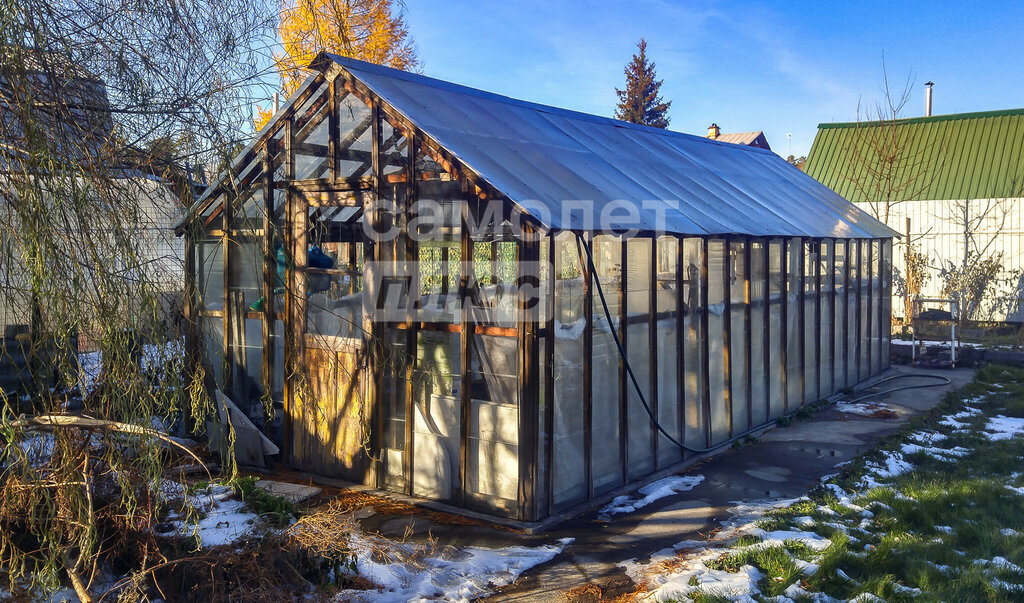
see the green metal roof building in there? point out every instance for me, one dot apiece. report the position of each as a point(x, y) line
point(959, 179)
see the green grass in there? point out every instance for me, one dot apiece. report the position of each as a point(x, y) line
point(897, 545)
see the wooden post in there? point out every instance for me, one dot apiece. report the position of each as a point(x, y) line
point(412, 304)
point(333, 129)
point(465, 349)
point(834, 323)
point(376, 335)
point(870, 303)
point(269, 280)
point(859, 265)
point(529, 368)
point(847, 252)
point(227, 315)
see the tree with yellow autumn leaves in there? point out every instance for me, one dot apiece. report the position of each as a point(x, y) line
point(369, 30)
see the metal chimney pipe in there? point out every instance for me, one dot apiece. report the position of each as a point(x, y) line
point(928, 99)
point(277, 102)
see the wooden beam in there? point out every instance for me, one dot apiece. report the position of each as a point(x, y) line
point(802, 319)
point(870, 303)
point(859, 266)
point(847, 292)
point(817, 321)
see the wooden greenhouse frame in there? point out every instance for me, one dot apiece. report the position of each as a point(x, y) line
point(512, 383)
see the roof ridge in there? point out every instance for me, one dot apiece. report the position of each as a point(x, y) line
point(359, 65)
point(923, 119)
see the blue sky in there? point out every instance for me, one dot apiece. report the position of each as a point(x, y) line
point(781, 67)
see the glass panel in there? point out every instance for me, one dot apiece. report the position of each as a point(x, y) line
point(213, 346)
point(886, 301)
point(777, 370)
point(568, 472)
point(606, 454)
point(810, 324)
point(334, 277)
point(210, 277)
point(758, 375)
point(667, 295)
point(852, 302)
point(393, 151)
point(716, 328)
point(639, 289)
point(865, 316)
point(738, 343)
point(840, 306)
point(693, 351)
point(825, 329)
point(356, 137)
point(311, 136)
point(437, 415)
point(794, 332)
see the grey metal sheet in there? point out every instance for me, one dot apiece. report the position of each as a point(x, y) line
point(542, 156)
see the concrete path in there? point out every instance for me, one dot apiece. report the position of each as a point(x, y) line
point(785, 462)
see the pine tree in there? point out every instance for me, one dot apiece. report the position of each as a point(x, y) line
point(640, 102)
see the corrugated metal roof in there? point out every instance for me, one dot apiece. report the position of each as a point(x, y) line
point(959, 156)
point(541, 156)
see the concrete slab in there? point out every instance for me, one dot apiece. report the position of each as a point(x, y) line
point(798, 456)
point(295, 493)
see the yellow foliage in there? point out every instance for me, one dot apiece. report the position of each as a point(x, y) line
point(262, 117)
point(368, 30)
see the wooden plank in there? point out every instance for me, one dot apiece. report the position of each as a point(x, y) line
point(705, 343)
point(817, 321)
point(292, 416)
point(832, 301)
point(847, 292)
point(652, 340)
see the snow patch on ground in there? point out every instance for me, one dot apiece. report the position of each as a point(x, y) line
point(1004, 428)
point(224, 519)
point(409, 572)
point(650, 493)
point(865, 409)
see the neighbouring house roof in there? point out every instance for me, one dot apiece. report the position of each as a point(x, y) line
point(540, 157)
point(944, 157)
point(751, 139)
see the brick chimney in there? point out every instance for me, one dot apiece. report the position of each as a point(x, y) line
point(714, 131)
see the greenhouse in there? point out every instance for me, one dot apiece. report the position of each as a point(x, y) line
point(516, 309)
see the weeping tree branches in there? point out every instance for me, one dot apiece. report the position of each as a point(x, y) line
point(99, 101)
